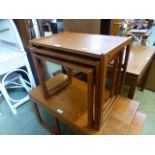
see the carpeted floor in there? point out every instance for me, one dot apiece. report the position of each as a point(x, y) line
point(25, 122)
point(147, 106)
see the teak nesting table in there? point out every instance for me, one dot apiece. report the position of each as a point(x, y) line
point(90, 54)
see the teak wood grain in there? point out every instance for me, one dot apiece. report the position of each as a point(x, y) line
point(138, 59)
point(92, 45)
point(137, 124)
point(72, 101)
point(139, 63)
point(65, 82)
point(96, 51)
point(76, 59)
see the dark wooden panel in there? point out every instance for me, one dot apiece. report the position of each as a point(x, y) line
point(105, 26)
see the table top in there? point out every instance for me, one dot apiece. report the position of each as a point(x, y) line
point(83, 43)
point(138, 59)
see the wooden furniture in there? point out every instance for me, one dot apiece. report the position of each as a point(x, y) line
point(150, 84)
point(139, 64)
point(140, 60)
point(123, 118)
point(91, 54)
point(89, 71)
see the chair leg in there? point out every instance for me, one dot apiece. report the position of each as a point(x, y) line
point(24, 84)
point(5, 94)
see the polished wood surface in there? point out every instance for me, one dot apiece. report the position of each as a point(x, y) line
point(72, 102)
point(139, 65)
point(76, 59)
point(97, 49)
point(137, 124)
point(90, 80)
point(83, 43)
point(120, 118)
point(138, 59)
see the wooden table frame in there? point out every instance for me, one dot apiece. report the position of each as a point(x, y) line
point(119, 76)
point(88, 62)
point(135, 72)
point(132, 80)
point(109, 104)
point(99, 63)
point(90, 79)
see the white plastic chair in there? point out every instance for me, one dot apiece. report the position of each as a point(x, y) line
point(13, 80)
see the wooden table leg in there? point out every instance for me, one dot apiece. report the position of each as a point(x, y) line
point(125, 66)
point(41, 74)
point(145, 76)
point(144, 40)
point(97, 90)
point(102, 82)
point(58, 126)
point(103, 75)
point(90, 94)
point(132, 88)
point(56, 130)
